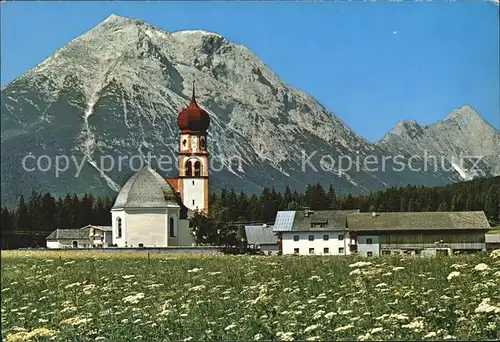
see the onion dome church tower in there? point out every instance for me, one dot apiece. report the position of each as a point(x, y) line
point(192, 183)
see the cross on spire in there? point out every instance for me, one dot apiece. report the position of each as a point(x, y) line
point(193, 98)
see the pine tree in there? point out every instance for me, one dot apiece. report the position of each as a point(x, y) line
point(492, 205)
point(22, 218)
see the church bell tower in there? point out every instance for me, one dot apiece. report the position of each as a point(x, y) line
point(193, 123)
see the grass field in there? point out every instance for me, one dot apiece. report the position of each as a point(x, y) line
point(126, 297)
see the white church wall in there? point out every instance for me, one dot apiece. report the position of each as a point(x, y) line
point(144, 226)
point(193, 193)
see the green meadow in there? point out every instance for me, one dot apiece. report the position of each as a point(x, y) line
point(53, 296)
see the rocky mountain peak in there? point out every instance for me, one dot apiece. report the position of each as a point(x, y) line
point(465, 112)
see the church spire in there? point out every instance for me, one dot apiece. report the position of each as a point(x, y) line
point(193, 97)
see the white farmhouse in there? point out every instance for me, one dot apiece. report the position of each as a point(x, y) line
point(85, 237)
point(307, 232)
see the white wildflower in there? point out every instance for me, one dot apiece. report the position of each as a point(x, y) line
point(417, 324)
point(361, 264)
point(318, 314)
point(258, 337)
point(197, 288)
point(230, 327)
point(495, 254)
point(430, 335)
point(342, 328)
point(486, 307)
point(75, 321)
point(365, 337)
point(282, 336)
point(345, 312)
point(354, 272)
point(311, 328)
point(453, 275)
point(195, 270)
point(134, 299)
point(330, 315)
point(481, 267)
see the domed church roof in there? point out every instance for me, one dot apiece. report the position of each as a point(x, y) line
point(147, 189)
point(193, 118)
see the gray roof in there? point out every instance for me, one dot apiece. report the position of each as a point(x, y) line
point(418, 221)
point(284, 221)
point(332, 219)
point(146, 189)
point(287, 221)
point(103, 228)
point(260, 235)
point(59, 234)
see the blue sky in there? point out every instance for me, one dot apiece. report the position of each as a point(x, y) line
point(372, 64)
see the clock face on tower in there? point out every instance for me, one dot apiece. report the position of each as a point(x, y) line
point(194, 145)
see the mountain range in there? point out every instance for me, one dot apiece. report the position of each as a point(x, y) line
point(113, 94)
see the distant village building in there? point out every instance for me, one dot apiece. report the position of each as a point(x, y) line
point(87, 237)
point(418, 232)
point(263, 238)
point(338, 232)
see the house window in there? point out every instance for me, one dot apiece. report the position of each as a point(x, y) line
point(341, 237)
point(118, 227)
point(341, 250)
point(369, 241)
point(386, 252)
point(75, 244)
point(193, 182)
point(193, 202)
point(326, 237)
point(171, 227)
point(369, 254)
point(295, 251)
point(295, 238)
point(311, 237)
point(326, 250)
point(311, 250)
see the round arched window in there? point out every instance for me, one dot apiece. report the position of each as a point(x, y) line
point(202, 143)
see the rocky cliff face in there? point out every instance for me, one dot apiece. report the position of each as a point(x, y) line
point(113, 94)
point(463, 141)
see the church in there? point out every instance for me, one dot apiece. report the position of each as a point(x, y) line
point(151, 211)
